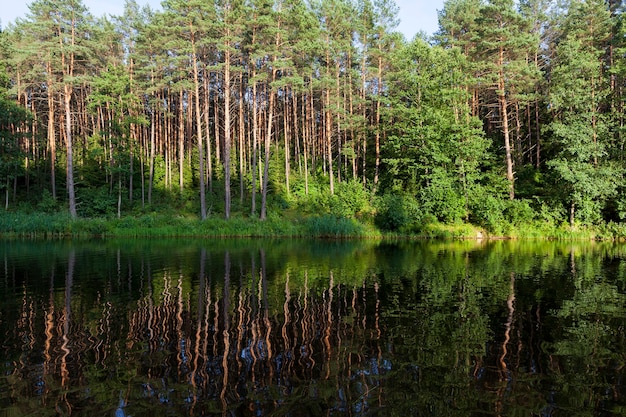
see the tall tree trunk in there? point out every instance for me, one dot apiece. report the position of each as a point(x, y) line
point(538, 137)
point(209, 173)
point(52, 138)
point(505, 125)
point(379, 81)
point(268, 135)
point(255, 142)
point(216, 118)
point(152, 153)
point(328, 121)
point(119, 196)
point(227, 131)
point(181, 141)
point(6, 195)
point(305, 143)
point(329, 142)
point(363, 113)
point(286, 139)
point(241, 137)
point(67, 63)
point(199, 138)
point(67, 98)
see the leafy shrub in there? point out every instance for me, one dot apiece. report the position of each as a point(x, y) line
point(612, 230)
point(551, 213)
point(94, 202)
point(518, 212)
point(488, 212)
point(397, 213)
point(442, 199)
point(589, 212)
point(350, 199)
point(318, 199)
point(47, 204)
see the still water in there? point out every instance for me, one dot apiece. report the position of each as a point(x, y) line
point(297, 328)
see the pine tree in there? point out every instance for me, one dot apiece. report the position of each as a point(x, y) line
point(581, 129)
point(503, 43)
point(59, 35)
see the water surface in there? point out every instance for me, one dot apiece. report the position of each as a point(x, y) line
point(295, 328)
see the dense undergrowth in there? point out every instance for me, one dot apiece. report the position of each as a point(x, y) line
point(287, 224)
point(353, 211)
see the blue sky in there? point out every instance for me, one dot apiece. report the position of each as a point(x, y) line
point(415, 15)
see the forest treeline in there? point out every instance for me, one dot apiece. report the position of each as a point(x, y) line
point(511, 114)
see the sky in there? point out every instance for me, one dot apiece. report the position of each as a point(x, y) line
point(415, 15)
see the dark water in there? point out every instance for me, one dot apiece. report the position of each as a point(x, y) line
point(297, 328)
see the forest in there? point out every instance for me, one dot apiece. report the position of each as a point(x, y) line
point(509, 118)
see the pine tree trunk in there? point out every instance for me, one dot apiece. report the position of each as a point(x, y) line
point(538, 137)
point(268, 136)
point(6, 195)
point(507, 146)
point(181, 141)
point(52, 142)
point(377, 124)
point(227, 132)
point(329, 143)
point(286, 141)
point(209, 157)
point(241, 139)
point(152, 154)
point(67, 98)
point(119, 196)
point(505, 125)
point(305, 143)
point(255, 142)
point(203, 212)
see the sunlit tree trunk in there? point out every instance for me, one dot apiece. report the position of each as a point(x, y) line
point(199, 138)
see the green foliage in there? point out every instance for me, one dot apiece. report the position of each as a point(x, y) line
point(580, 131)
point(47, 204)
point(501, 216)
point(435, 147)
point(438, 230)
point(442, 198)
point(12, 119)
point(550, 212)
point(397, 213)
point(332, 80)
point(34, 225)
point(488, 211)
point(351, 200)
point(333, 226)
point(97, 202)
point(519, 212)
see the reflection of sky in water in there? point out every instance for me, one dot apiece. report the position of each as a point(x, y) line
point(355, 328)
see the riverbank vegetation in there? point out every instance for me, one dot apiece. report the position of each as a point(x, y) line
point(314, 118)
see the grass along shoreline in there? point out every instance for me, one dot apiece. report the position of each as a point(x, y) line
point(59, 225)
point(42, 225)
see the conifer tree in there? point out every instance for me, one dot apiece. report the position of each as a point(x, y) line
point(502, 50)
point(581, 127)
point(59, 35)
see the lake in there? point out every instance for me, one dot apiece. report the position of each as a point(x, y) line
point(312, 328)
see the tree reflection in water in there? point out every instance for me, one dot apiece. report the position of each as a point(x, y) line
point(393, 330)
